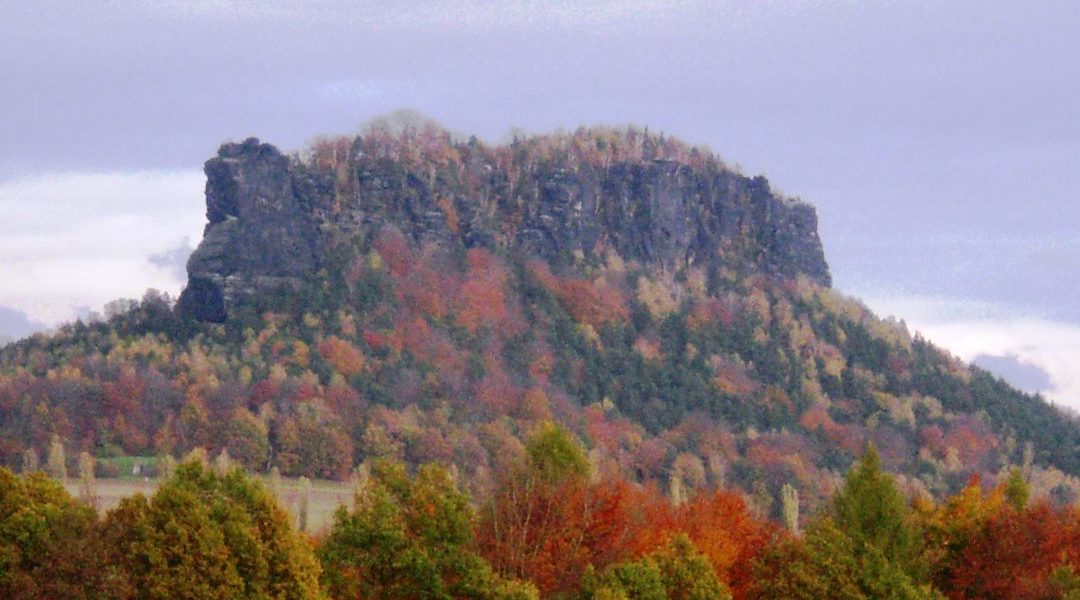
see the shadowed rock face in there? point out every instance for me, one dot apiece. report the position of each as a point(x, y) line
point(272, 221)
point(259, 237)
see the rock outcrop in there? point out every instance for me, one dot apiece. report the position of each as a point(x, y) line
point(260, 235)
point(272, 219)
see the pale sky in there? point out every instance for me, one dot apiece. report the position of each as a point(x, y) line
point(940, 140)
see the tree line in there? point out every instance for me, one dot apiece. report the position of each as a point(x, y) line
point(549, 527)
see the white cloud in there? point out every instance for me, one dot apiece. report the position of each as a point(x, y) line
point(968, 329)
point(73, 239)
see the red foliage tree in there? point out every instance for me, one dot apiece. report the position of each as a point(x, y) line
point(394, 250)
point(591, 302)
point(1013, 555)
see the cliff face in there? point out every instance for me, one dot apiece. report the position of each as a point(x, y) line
point(260, 233)
point(273, 220)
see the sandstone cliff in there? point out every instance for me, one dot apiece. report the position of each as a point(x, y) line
point(273, 219)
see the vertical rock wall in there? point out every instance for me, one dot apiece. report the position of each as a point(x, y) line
point(270, 221)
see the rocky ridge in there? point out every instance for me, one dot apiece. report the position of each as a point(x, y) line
point(273, 219)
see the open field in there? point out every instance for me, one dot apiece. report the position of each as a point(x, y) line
point(325, 497)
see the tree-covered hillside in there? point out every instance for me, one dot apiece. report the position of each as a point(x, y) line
point(687, 361)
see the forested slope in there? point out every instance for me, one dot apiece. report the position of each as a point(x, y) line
point(404, 294)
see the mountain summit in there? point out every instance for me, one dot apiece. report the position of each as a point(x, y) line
point(273, 220)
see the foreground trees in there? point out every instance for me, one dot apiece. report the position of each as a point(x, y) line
point(45, 539)
point(539, 525)
point(203, 535)
point(410, 537)
point(677, 571)
point(549, 529)
point(550, 523)
point(995, 545)
point(868, 545)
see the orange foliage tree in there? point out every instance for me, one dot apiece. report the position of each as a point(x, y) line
point(1016, 553)
point(546, 523)
point(342, 355)
point(591, 302)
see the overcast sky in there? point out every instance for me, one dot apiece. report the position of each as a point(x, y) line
point(939, 140)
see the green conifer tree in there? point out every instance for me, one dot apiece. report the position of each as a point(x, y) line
point(871, 511)
point(1017, 490)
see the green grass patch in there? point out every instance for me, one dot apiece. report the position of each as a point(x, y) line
point(127, 467)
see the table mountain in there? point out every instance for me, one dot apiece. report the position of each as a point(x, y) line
point(411, 294)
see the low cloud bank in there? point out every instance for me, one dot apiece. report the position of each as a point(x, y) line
point(75, 239)
point(972, 330)
point(14, 324)
point(1020, 373)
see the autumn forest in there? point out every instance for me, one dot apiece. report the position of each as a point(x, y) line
point(599, 364)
